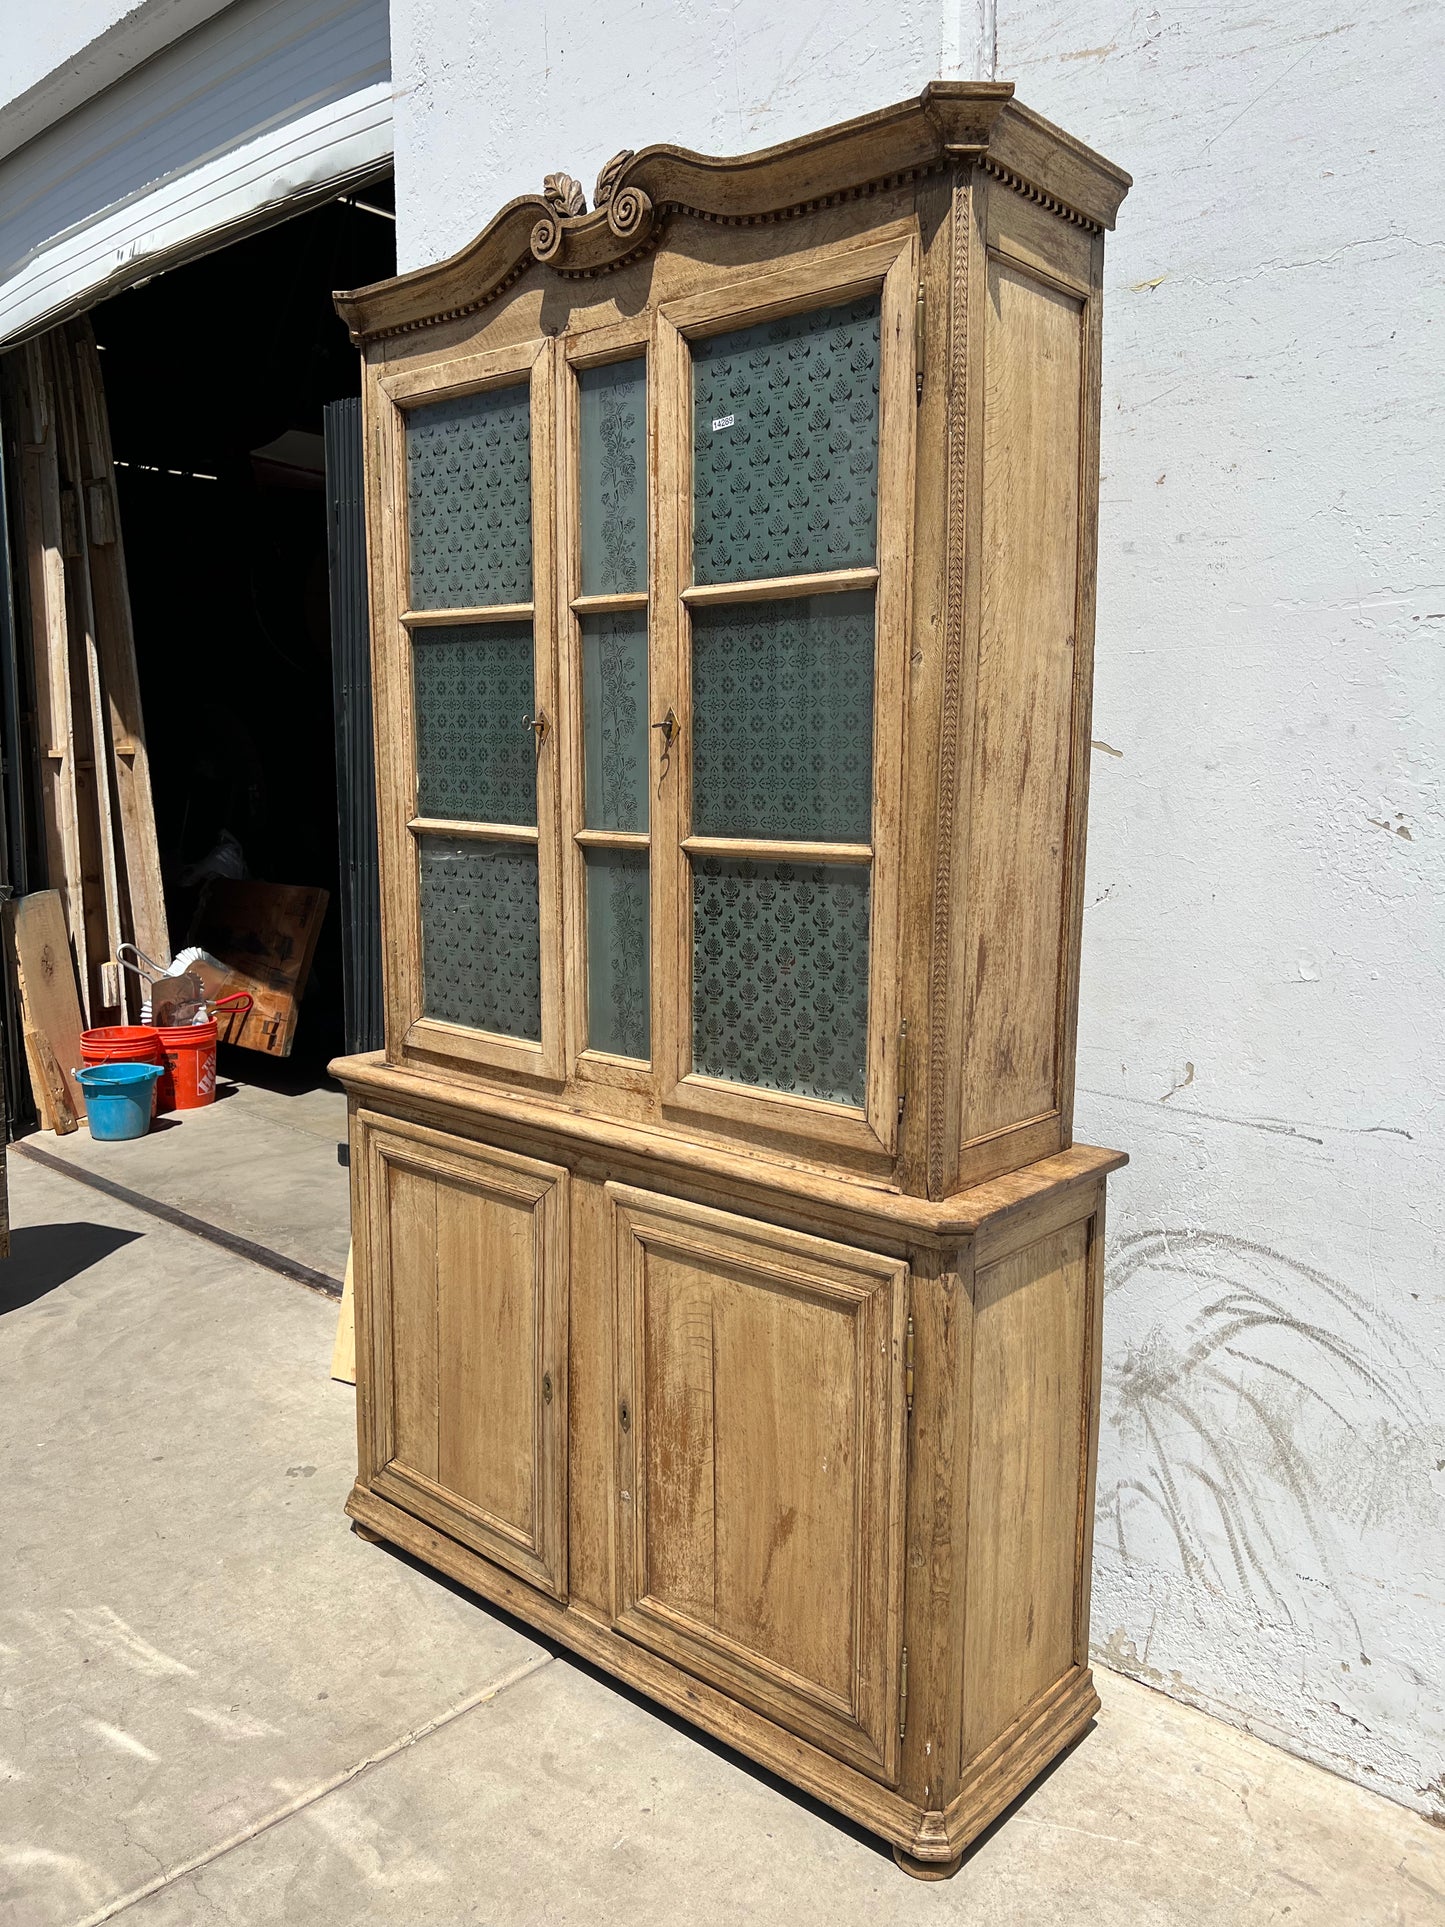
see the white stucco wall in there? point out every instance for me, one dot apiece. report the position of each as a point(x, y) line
point(1262, 996)
point(490, 97)
point(1262, 1013)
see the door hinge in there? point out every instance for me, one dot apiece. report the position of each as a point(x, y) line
point(908, 1367)
point(902, 1065)
point(918, 333)
point(903, 1696)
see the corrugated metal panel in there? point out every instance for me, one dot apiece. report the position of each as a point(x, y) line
point(355, 755)
point(271, 102)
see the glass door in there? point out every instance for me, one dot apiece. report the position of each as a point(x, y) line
point(476, 465)
point(789, 643)
point(603, 459)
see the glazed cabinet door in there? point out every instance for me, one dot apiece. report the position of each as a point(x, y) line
point(761, 1419)
point(466, 1297)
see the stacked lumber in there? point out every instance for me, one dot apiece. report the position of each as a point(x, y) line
point(98, 821)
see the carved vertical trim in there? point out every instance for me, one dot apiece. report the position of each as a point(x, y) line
point(952, 673)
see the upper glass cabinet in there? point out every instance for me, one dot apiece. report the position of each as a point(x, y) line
point(732, 536)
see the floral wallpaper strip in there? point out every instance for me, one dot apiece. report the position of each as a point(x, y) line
point(618, 950)
point(780, 976)
point(480, 935)
point(476, 759)
point(785, 445)
point(782, 719)
point(469, 499)
point(613, 422)
point(614, 720)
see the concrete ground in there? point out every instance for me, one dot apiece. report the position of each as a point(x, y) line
point(221, 1707)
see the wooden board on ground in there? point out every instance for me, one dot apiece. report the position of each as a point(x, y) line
point(47, 1080)
point(343, 1352)
point(49, 1001)
point(265, 934)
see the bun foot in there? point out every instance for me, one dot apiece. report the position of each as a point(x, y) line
point(366, 1533)
point(927, 1869)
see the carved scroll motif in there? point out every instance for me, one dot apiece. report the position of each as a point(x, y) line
point(546, 237)
point(629, 214)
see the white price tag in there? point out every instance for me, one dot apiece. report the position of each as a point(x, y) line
point(723, 421)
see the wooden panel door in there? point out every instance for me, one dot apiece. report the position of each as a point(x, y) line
point(761, 1418)
point(468, 1297)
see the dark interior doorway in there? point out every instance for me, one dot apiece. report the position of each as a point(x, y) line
point(216, 376)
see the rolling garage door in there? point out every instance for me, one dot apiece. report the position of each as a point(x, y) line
point(268, 105)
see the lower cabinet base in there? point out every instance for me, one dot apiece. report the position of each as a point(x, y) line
point(927, 1844)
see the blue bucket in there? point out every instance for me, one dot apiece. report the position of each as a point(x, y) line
point(118, 1098)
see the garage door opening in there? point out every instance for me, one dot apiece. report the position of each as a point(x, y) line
point(217, 379)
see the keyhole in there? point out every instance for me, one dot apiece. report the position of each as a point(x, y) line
point(624, 1413)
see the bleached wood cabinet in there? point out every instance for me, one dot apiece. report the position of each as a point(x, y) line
point(728, 1282)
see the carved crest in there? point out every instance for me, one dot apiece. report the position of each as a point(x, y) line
point(951, 123)
point(607, 179)
point(565, 194)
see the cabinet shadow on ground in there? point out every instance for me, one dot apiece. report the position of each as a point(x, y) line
point(45, 1256)
point(818, 1808)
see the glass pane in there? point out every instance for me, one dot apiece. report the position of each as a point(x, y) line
point(481, 946)
point(780, 975)
point(782, 719)
point(613, 412)
point(614, 720)
point(617, 952)
point(469, 500)
point(785, 446)
point(476, 759)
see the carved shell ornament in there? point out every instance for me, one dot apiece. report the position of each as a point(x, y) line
point(565, 194)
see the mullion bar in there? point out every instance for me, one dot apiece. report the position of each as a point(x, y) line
point(612, 839)
point(445, 618)
point(489, 832)
point(774, 588)
point(768, 850)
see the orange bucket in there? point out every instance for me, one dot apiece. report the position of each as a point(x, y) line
point(122, 1044)
point(190, 1076)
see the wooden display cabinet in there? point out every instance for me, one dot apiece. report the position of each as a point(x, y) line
point(728, 1281)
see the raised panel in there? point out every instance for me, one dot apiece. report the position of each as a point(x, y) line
point(761, 1538)
point(469, 1261)
point(1033, 375)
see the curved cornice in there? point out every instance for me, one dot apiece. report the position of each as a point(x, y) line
point(638, 194)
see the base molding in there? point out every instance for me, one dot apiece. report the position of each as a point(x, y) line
point(927, 1843)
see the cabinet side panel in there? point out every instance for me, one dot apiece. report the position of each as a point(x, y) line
point(1031, 1389)
point(1033, 370)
